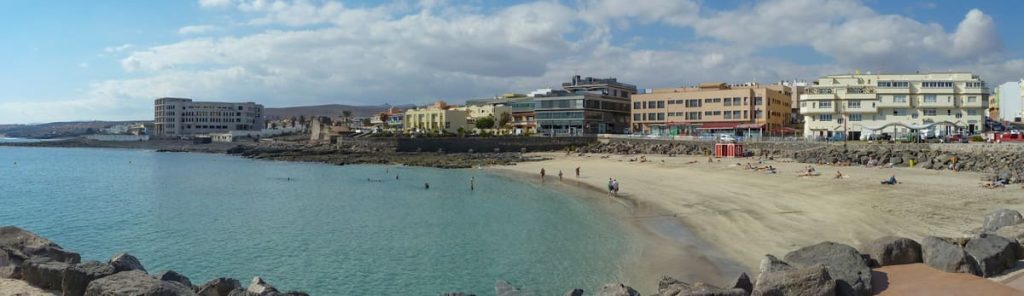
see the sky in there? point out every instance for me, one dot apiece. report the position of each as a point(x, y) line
point(108, 59)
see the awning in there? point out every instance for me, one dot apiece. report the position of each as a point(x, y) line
point(750, 126)
point(718, 125)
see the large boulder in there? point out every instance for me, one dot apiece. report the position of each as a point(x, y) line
point(43, 272)
point(20, 243)
point(844, 264)
point(218, 287)
point(1001, 218)
point(779, 278)
point(743, 282)
point(258, 286)
point(668, 286)
point(77, 277)
point(892, 250)
point(994, 254)
point(125, 262)
point(170, 275)
point(137, 283)
point(10, 263)
point(617, 290)
point(948, 255)
point(573, 292)
point(1014, 232)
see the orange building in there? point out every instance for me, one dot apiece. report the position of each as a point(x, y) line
point(712, 108)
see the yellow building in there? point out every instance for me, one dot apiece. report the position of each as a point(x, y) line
point(434, 119)
point(712, 108)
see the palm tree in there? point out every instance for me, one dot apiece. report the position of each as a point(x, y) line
point(347, 114)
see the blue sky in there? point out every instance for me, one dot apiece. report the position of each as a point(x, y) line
point(107, 60)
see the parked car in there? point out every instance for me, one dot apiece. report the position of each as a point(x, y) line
point(726, 138)
point(956, 138)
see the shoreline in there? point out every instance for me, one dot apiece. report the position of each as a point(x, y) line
point(745, 215)
point(661, 245)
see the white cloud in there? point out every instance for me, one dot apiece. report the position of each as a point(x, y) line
point(196, 29)
point(310, 52)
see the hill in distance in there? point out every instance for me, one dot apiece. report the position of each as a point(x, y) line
point(332, 110)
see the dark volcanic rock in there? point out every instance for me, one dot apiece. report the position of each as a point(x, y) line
point(844, 264)
point(994, 254)
point(743, 282)
point(779, 278)
point(10, 263)
point(170, 275)
point(891, 250)
point(573, 292)
point(135, 282)
point(219, 287)
point(1015, 232)
point(617, 290)
point(1001, 218)
point(947, 255)
point(43, 272)
point(77, 277)
point(19, 243)
point(503, 288)
point(125, 262)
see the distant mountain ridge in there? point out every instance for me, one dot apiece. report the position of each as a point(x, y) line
point(331, 110)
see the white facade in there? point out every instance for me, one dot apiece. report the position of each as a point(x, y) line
point(175, 117)
point(859, 104)
point(1010, 100)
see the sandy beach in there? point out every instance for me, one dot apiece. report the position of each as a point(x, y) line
point(743, 215)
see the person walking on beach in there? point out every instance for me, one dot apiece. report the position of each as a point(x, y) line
point(559, 175)
point(577, 172)
point(615, 187)
point(542, 174)
point(610, 188)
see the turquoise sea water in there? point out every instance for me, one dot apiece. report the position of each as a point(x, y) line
point(320, 228)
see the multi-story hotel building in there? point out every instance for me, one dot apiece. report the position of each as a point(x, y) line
point(586, 106)
point(749, 109)
point(177, 117)
point(436, 118)
point(857, 105)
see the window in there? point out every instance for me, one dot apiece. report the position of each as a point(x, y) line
point(937, 84)
point(760, 114)
point(707, 101)
point(661, 104)
point(929, 98)
point(825, 104)
point(693, 115)
point(636, 116)
point(913, 115)
point(959, 115)
point(728, 115)
point(757, 100)
point(693, 103)
point(975, 84)
point(718, 100)
point(856, 117)
point(727, 102)
point(972, 112)
point(821, 117)
point(803, 104)
point(745, 114)
point(718, 113)
point(853, 104)
point(637, 105)
point(899, 99)
point(708, 113)
point(736, 114)
point(893, 84)
point(972, 99)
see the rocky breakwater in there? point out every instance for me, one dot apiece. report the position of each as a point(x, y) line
point(346, 154)
point(44, 264)
point(998, 163)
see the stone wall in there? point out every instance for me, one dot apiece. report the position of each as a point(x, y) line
point(496, 144)
point(1000, 161)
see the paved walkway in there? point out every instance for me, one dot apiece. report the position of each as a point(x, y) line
point(920, 279)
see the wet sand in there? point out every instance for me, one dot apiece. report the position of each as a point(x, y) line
point(743, 214)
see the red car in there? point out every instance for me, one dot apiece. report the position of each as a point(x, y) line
point(956, 138)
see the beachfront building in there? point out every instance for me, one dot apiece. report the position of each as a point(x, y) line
point(747, 109)
point(585, 106)
point(1008, 101)
point(179, 117)
point(524, 117)
point(390, 119)
point(856, 105)
point(436, 118)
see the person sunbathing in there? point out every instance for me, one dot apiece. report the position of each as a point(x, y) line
point(891, 181)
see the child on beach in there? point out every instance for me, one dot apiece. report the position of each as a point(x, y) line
point(610, 188)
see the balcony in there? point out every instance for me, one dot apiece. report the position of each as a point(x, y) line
point(888, 102)
point(936, 90)
point(940, 102)
point(810, 96)
point(815, 109)
point(864, 107)
point(859, 96)
point(977, 103)
point(893, 90)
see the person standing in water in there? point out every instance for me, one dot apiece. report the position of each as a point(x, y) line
point(472, 183)
point(559, 175)
point(426, 185)
point(610, 186)
point(542, 174)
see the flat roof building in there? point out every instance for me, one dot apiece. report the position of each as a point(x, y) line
point(180, 117)
point(855, 105)
point(712, 108)
point(587, 106)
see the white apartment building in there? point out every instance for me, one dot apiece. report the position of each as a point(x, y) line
point(1009, 101)
point(178, 117)
point(857, 105)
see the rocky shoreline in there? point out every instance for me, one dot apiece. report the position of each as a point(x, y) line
point(830, 268)
point(43, 264)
